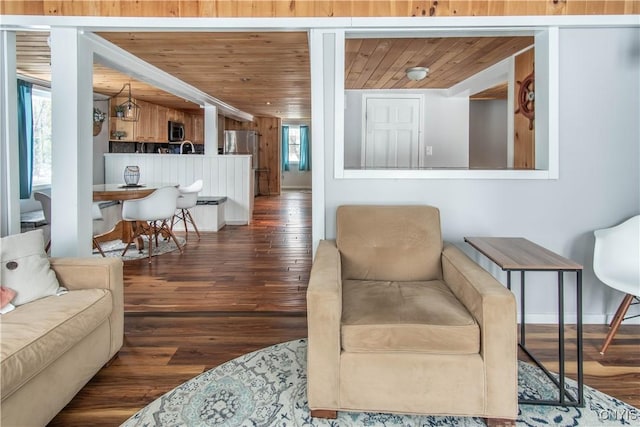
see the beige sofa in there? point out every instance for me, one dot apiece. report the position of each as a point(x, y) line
point(399, 322)
point(53, 346)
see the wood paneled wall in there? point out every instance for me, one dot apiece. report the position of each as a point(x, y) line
point(288, 8)
point(524, 146)
point(269, 130)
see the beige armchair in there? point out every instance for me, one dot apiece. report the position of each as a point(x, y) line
point(398, 323)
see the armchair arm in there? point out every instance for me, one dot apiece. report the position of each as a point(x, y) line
point(494, 308)
point(324, 314)
point(96, 273)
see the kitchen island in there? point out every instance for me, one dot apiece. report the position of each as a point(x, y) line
point(231, 176)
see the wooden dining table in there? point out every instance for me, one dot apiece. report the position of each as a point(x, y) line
point(123, 230)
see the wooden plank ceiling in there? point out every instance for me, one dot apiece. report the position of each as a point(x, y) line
point(34, 60)
point(268, 74)
point(381, 63)
point(265, 74)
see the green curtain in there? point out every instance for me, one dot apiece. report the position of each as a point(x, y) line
point(305, 163)
point(25, 138)
point(285, 148)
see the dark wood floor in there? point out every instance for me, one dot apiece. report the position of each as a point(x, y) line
point(242, 289)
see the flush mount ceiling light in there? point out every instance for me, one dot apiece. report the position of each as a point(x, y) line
point(416, 73)
point(131, 110)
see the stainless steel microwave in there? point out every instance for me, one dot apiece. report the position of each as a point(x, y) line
point(176, 131)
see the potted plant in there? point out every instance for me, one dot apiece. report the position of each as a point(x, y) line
point(119, 109)
point(98, 119)
point(119, 134)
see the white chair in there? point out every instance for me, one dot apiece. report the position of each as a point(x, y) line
point(44, 197)
point(187, 200)
point(616, 262)
point(151, 215)
point(96, 214)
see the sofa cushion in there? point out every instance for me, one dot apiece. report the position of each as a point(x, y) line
point(36, 334)
point(389, 242)
point(25, 267)
point(382, 316)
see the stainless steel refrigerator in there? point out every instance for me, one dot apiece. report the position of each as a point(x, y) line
point(243, 142)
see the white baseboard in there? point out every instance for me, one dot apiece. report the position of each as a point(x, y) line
point(236, 222)
point(570, 319)
point(295, 187)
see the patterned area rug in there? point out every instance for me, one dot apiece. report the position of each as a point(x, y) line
point(114, 248)
point(268, 388)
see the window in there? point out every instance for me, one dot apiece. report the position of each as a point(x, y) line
point(294, 144)
point(41, 101)
point(348, 110)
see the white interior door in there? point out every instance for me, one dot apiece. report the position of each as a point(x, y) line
point(392, 137)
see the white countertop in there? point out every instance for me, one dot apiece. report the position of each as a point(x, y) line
point(176, 155)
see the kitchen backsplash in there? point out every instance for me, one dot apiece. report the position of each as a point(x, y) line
point(152, 147)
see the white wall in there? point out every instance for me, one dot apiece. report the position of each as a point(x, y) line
point(295, 179)
point(488, 134)
point(352, 128)
point(445, 123)
point(599, 183)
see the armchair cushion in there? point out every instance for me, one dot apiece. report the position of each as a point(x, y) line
point(401, 243)
point(419, 317)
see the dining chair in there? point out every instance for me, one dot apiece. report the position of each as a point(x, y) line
point(188, 199)
point(96, 214)
point(616, 262)
point(151, 215)
point(44, 197)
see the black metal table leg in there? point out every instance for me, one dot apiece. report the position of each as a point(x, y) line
point(561, 391)
point(579, 338)
point(522, 310)
point(565, 398)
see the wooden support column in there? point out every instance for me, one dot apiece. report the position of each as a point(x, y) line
point(210, 129)
point(72, 139)
point(326, 53)
point(10, 181)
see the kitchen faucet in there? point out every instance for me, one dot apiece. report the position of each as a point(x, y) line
point(193, 150)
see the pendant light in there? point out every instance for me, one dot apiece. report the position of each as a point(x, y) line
point(130, 108)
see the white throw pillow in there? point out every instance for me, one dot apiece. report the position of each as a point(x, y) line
point(26, 268)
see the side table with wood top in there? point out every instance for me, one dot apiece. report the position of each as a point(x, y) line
point(519, 254)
